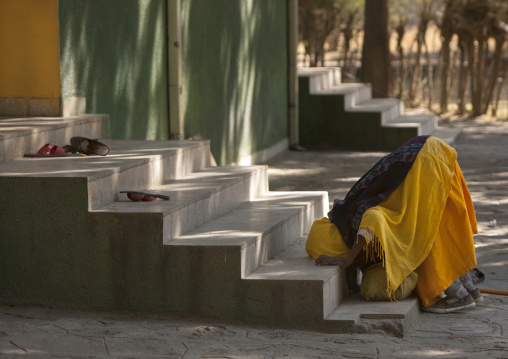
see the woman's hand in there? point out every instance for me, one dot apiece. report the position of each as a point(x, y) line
point(324, 260)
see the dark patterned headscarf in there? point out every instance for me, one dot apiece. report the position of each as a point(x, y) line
point(373, 188)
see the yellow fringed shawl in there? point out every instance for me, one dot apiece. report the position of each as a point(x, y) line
point(426, 225)
point(325, 238)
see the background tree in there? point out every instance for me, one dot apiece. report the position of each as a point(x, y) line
point(470, 66)
point(376, 60)
point(316, 21)
point(400, 30)
point(447, 27)
point(501, 85)
point(401, 19)
point(425, 15)
point(479, 21)
point(464, 70)
point(351, 23)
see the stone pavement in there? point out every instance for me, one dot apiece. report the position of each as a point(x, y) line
point(476, 333)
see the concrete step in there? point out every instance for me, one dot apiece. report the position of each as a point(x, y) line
point(341, 312)
point(294, 265)
point(212, 262)
point(328, 81)
point(356, 315)
point(426, 123)
point(198, 198)
point(130, 165)
point(388, 108)
point(321, 78)
point(260, 228)
point(449, 135)
point(354, 94)
point(20, 135)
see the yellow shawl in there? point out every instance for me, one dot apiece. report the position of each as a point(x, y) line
point(426, 225)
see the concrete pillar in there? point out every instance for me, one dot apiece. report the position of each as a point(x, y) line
point(292, 73)
point(176, 125)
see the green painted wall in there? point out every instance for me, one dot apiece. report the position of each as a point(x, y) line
point(235, 74)
point(114, 53)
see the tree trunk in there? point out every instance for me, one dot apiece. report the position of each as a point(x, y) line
point(463, 74)
point(319, 51)
point(492, 75)
point(445, 74)
point(376, 64)
point(478, 78)
point(500, 90)
point(347, 32)
point(473, 67)
point(452, 74)
point(417, 71)
point(430, 76)
point(401, 30)
point(448, 27)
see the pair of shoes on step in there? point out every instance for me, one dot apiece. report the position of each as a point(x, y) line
point(79, 145)
point(87, 146)
point(449, 304)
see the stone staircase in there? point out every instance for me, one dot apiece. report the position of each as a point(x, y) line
point(223, 247)
point(340, 115)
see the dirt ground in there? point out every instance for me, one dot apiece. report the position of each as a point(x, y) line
point(476, 333)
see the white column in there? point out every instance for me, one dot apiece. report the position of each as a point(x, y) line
point(176, 128)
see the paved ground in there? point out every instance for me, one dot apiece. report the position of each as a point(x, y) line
point(477, 333)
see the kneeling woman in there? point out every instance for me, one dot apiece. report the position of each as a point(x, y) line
point(410, 213)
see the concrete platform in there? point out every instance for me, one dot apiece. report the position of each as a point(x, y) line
point(222, 219)
point(248, 241)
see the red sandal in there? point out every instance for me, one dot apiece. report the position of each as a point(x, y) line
point(51, 149)
point(143, 196)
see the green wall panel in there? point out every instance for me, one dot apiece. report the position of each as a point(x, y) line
point(235, 74)
point(114, 53)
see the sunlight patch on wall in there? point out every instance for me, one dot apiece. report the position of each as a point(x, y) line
point(114, 56)
point(240, 114)
point(235, 75)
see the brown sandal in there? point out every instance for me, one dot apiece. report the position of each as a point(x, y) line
point(88, 146)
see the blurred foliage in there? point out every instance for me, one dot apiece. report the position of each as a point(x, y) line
point(321, 19)
point(470, 60)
